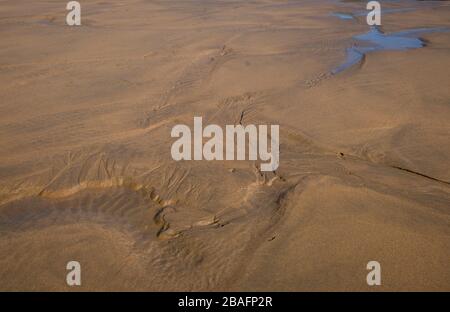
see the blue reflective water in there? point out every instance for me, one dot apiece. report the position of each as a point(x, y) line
point(379, 41)
point(390, 42)
point(354, 56)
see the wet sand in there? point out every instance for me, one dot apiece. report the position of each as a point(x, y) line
point(86, 172)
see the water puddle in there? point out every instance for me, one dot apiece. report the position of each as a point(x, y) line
point(378, 41)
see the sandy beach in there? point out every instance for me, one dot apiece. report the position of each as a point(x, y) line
point(86, 172)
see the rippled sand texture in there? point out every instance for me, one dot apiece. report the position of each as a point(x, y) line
point(86, 172)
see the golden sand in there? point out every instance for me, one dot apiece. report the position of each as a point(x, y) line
point(86, 172)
